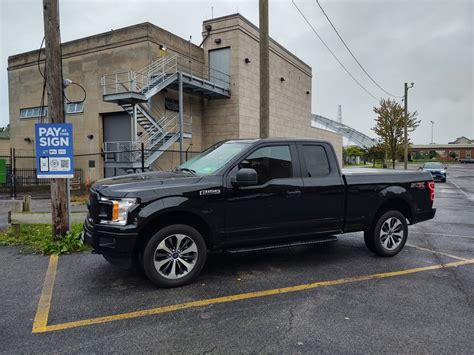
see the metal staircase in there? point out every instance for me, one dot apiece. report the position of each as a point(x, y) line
point(154, 132)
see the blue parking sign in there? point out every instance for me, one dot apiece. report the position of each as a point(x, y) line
point(54, 150)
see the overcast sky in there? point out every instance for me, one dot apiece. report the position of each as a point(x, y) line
point(428, 42)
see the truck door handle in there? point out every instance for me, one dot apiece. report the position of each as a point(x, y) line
point(294, 193)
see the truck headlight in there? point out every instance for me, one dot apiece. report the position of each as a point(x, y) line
point(120, 208)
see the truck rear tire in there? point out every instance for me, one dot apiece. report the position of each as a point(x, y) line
point(389, 234)
point(174, 256)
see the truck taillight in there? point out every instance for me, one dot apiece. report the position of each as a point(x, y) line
point(431, 187)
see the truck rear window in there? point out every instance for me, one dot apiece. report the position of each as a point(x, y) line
point(316, 160)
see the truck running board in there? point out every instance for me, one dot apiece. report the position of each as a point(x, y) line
point(283, 245)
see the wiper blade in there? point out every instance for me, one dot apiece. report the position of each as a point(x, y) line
point(188, 170)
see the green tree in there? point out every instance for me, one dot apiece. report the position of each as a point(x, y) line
point(453, 155)
point(389, 126)
point(354, 151)
point(376, 152)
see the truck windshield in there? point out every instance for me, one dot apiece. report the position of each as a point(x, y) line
point(213, 158)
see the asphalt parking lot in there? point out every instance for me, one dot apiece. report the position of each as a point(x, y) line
point(335, 297)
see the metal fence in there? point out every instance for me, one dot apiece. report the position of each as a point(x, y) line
point(21, 174)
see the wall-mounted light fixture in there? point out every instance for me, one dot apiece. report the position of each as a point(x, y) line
point(90, 136)
point(162, 47)
point(282, 79)
point(208, 28)
point(247, 61)
point(217, 41)
point(28, 139)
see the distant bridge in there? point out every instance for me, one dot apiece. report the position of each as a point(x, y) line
point(350, 133)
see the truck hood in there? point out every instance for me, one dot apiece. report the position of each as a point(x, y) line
point(143, 185)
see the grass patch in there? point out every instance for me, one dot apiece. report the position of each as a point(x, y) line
point(36, 238)
point(83, 198)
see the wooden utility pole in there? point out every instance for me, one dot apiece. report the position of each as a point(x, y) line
point(54, 86)
point(405, 128)
point(264, 71)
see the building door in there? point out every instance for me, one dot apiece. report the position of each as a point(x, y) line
point(219, 67)
point(116, 128)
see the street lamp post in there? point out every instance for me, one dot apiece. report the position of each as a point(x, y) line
point(405, 155)
point(432, 130)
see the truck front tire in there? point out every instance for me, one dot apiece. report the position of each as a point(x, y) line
point(389, 234)
point(174, 256)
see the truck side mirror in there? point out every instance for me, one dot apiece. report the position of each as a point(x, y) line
point(245, 177)
point(445, 168)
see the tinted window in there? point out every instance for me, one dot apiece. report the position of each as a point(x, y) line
point(316, 160)
point(270, 163)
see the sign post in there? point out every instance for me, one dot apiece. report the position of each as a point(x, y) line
point(55, 154)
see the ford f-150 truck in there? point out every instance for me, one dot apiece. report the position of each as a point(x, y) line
point(242, 195)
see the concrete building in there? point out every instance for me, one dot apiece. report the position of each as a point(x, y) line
point(133, 78)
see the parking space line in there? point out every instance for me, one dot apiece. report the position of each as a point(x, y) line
point(40, 324)
point(464, 192)
point(444, 234)
point(435, 252)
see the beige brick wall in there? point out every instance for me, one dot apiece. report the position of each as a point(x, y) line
point(290, 100)
point(86, 60)
point(4, 147)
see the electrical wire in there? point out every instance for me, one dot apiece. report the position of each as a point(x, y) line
point(332, 53)
point(83, 90)
point(39, 57)
point(40, 117)
point(352, 54)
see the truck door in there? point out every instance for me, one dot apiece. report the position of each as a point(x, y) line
point(270, 209)
point(323, 190)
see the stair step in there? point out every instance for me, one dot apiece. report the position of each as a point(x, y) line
point(283, 245)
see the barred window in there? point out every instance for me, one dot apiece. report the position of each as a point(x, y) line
point(33, 112)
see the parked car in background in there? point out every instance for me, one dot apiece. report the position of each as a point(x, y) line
point(437, 170)
point(466, 161)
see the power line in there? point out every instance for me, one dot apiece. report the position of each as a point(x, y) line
point(334, 55)
point(352, 54)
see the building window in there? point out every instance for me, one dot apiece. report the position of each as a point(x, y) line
point(75, 107)
point(33, 112)
point(171, 104)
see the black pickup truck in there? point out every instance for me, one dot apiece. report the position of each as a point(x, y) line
point(242, 195)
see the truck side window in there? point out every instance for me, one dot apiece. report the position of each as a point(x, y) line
point(273, 162)
point(316, 160)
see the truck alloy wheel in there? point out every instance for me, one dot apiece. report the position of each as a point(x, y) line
point(174, 256)
point(389, 235)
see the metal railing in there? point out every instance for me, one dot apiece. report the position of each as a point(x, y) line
point(145, 79)
point(131, 151)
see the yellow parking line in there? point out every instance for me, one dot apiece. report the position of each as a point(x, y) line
point(435, 252)
point(42, 312)
point(42, 326)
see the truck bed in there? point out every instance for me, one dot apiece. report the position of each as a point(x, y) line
point(363, 176)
